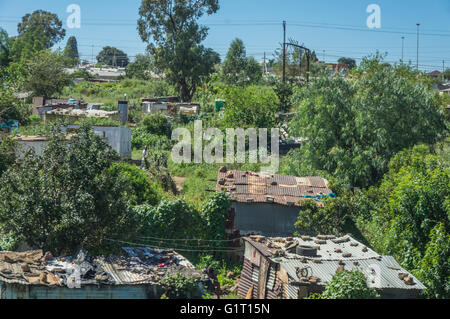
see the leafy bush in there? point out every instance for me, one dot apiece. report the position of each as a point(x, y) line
point(68, 197)
point(348, 285)
point(355, 126)
point(140, 138)
point(157, 124)
point(143, 191)
point(179, 286)
point(253, 106)
point(172, 219)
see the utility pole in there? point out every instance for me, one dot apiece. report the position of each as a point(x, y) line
point(308, 55)
point(92, 54)
point(417, 62)
point(403, 42)
point(284, 51)
point(323, 56)
point(443, 66)
point(265, 67)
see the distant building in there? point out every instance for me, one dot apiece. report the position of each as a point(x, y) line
point(118, 137)
point(42, 105)
point(295, 268)
point(168, 105)
point(24, 143)
point(73, 115)
point(267, 204)
point(33, 275)
point(435, 74)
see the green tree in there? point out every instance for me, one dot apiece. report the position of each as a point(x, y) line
point(143, 190)
point(71, 52)
point(434, 268)
point(354, 127)
point(408, 216)
point(11, 82)
point(238, 69)
point(252, 106)
point(177, 38)
point(171, 219)
point(37, 31)
point(5, 48)
point(214, 213)
point(68, 197)
point(7, 154)
point(446, 74)
point(113, 57)
point(157, 124)
point(336, 217)
point(46, 74)
point(348, 61)
point(140, 68)
point(348, 285)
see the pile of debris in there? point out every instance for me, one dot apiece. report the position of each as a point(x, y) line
point(138, 266)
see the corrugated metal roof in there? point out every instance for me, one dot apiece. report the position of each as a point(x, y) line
point(248, 187)
point(379, 272)
point(141, 266)
point(332, 252)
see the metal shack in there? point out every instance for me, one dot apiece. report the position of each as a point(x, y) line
point(24, 143)
point(296, 267)
point(118, 137)
point(267, 204)
point(33, 275)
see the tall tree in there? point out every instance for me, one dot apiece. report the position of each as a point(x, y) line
point(71, 51)
point(46, 74)
point(348, 61)
point(44, 25)
point(238, 69)
point(140, 68)
point(235, 62)
point(69, 197)
point(37, 31)
point(354, 127)
point(177, 40)
point(5, 48)
point(113, 57)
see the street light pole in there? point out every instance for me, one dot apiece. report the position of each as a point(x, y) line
point(417, 62)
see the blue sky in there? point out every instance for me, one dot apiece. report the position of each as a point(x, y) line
point(338, 27)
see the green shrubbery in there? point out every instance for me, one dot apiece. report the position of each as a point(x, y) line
point(68, 197)
point(355, 126)
point(347, 285)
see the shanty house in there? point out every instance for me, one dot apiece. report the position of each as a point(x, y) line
point(33, 275)
point(295, 268)
point(267, 204)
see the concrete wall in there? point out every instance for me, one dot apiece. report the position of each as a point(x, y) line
point(118, 137)
point(265, 218)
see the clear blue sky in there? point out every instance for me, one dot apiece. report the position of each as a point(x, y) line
point(338, 27)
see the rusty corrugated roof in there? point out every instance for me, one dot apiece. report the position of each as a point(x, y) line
point(248, 187)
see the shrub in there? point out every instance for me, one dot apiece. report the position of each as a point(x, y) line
point(348, 285)
point(157, 124)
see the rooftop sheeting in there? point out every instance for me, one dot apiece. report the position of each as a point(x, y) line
point(331, 253)
point(140, 266)
point(248, 187)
